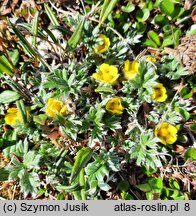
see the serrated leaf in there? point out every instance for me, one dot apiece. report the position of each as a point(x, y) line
point(31, 160)
point(29, 183)
point(8, 96)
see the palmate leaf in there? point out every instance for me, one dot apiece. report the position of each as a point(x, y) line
point(31, 160)
point(96, 172)
point(29, 183)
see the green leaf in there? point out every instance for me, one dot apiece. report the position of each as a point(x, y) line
point(27, 46)
point(29, 183)
point(154, 37)
point(192, 30)
point(123, 185)
point(126, 196)
point(142, 15)
point(40, 119)
point(107, 8)
point(186, 93)
point(174, 184)
point(14, 55)
point(76, 36)
point(190, 153)
point(167, 41)
point(104, 7)
point(35, 28)
point(69, 188)
point(104, 186)
point(4, 174)
point(51, 15)
point(150, 43)
point(167, 7)
point(128, 8)
point(193, 127)
point(144, 187)
point(31, 160)
point(183, 112)
point(8, 96)
point(161, 20)
point(24, 43)
point(23, 112)
point(5, 66)
point(105, 88)
point(156, 183)
point(82, 158)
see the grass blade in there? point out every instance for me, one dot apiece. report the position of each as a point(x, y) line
point(35, 28)
point(51, 15)
point(83, 156)
point(107, 9)
point(75, 38)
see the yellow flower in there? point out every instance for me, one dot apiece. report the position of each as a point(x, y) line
point(166, 132)
point(114, 106)
point(13, 116)
point(131, 69)
point(149, 58)
point(55, 107)
point(107, 74)
point(160, 93)
point(101, 48)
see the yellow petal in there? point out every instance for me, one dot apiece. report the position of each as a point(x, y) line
point(10, 119)
point(12, 110)
point(160, 93)
point(148, 58)
point(63, 110)
point(130, 69)
point(166, 132)
point(114, 106)
point(107, 74)
point(101, 48)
